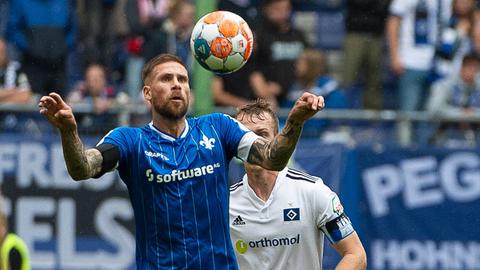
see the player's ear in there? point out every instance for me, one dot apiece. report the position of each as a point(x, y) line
point(147, 93)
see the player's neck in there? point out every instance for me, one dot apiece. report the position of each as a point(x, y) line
point(262, 182)
point(172, 127)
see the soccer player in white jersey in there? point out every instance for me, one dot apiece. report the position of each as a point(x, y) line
point(175, 167)
point(278, 219)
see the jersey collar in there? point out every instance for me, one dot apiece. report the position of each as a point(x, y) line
point(167, 136)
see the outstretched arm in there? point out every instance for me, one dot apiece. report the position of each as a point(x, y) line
point(81, 163)
point(274, 154)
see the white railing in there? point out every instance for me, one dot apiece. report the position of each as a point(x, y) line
point(404, 121)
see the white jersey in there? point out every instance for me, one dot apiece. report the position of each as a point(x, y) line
point(412, 55)
point(287, 231)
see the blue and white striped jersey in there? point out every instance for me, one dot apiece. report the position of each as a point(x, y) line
point(179, 190)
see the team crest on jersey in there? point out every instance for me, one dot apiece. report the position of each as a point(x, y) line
point(238, 221)
point(291, 214)
point(208, 143)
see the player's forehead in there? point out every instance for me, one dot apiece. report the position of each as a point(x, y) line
point(171, 67)
point(256, 121)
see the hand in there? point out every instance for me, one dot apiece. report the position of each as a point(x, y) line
point(57, 112)
point(305, 107)
point(396, 66)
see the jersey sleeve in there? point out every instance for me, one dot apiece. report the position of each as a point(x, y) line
point(330, 215)
point(121, 138)
point(236, 138)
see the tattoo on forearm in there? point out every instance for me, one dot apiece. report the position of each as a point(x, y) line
point(81, 163)
point(275, 154)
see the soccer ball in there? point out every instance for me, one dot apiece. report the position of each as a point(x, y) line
point(221, 42)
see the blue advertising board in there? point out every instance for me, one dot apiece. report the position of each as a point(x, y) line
point(419, 208)
point(413, 209)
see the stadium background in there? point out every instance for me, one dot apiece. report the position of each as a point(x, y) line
point(414, 205)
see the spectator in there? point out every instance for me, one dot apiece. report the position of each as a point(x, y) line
point(3, 17)
point(455, 39)
point(14, 89)
point(14, 252)
point(173, 36)
point(99, 27)
point(412, 36)
point(458, 94)
point(278, 45)
point(363, 48)
point(475, 39)
point(95, 92)
point(14, 85)
point(233, 90)
point(143, 17)
point(311, 74)
point(247, 9)
point(43, 32)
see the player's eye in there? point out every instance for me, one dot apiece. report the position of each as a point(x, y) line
point(182, 79)
point(166, 78)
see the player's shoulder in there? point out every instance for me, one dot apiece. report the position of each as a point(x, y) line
point(217, 116)
point(236, 187)
point(303, 181)
point(294, 175)
point(120, 133)
point(130, 131)
point(216, 120)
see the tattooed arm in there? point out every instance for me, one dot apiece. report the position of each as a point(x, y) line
point(274, 154)
point(81, 163)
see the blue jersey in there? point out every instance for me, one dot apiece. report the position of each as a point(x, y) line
point(179, 190)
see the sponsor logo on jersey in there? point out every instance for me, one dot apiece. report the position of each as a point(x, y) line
point(291, 214)
point(238, 221)
point(208, 143)
point(154, 154)
point(242, 246)
point(337, 206)
point(180, 175)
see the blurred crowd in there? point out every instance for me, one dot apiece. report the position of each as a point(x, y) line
point(407, 55)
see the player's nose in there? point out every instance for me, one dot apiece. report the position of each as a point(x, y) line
point(176, 83)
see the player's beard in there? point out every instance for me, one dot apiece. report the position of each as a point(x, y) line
point(171, 110)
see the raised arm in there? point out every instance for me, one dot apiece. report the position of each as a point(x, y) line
point(81, 163)
point(274, 154)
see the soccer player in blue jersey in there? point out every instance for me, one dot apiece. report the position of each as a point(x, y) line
point(175, 168)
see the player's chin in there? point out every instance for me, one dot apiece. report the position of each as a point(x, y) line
point(178, 110)
point(252, 167)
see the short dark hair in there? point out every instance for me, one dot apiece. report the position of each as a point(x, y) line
point(258, 108)
point(158, 60)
